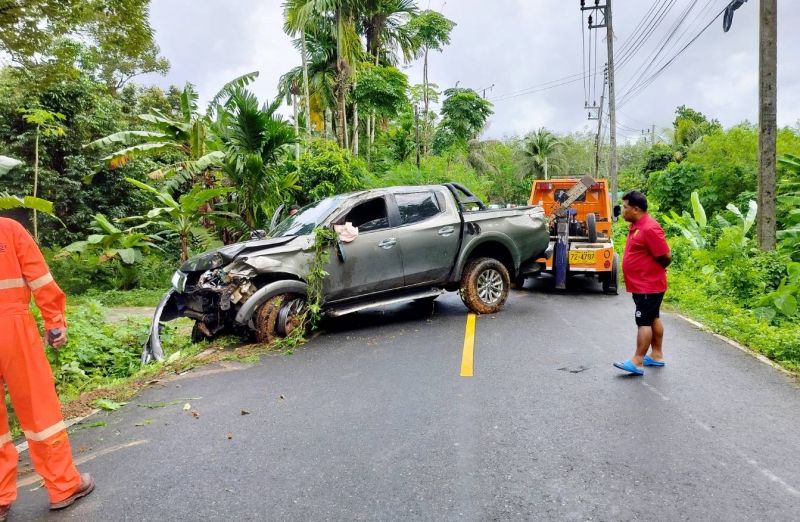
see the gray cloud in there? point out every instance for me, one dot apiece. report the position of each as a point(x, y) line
point(513, 45)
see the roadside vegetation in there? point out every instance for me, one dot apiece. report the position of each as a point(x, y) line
point(122, 181)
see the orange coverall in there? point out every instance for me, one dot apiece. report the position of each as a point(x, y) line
point(25, 370)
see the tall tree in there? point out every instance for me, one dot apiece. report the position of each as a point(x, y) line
point(110, 38)
point(431, 31)
point(297, 20)
point(539, 151)
point(464, 113)
point(46, 123)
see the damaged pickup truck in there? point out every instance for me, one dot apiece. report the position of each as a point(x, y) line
point(394, 244)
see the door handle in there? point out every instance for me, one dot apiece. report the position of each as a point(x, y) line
point(388, 243)
point(446, 231)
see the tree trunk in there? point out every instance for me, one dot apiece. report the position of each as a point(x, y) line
point(345, 134)
point(425, 102)
point(184, 247)
point(545, 168)
point(767, 87)
point(305, 81)
point(296, 127)
point(367, 135)
point(355, 129)
point(36, 185)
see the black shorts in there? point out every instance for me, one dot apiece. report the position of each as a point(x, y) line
point(648, 307)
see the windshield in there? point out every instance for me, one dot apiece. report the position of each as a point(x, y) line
point(307, 219)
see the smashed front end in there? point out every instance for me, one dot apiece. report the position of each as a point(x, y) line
point(210, 289)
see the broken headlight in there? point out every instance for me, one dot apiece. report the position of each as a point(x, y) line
point(179, 281)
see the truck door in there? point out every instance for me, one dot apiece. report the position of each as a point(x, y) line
point(372, 262)
point(428, 235)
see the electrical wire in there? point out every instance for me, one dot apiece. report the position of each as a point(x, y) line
point(646, 83)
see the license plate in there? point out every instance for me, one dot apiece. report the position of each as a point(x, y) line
point(582, 257)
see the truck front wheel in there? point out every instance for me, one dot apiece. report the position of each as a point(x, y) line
point(484, 285)
point(278, 317)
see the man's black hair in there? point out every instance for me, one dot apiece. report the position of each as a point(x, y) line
point(636, 199)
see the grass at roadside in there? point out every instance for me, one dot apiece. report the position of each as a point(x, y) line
point(722, 315)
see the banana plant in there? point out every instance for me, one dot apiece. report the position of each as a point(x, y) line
point(692, 227)
point(111, 242)
point(10, 201)
point(745, 222)
point(181, 218)
point(188, 132)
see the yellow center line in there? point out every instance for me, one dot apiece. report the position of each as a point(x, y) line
point(469, 343)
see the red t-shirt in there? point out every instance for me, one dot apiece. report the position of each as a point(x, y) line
point(643, 274)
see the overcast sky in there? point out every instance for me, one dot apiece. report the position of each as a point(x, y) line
point(517, 46)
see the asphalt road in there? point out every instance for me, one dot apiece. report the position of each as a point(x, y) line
point(372, 421)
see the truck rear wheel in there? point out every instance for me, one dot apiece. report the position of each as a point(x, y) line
point(485, 285)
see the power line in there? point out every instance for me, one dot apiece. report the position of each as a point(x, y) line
point(631, 94)
point(653, 24)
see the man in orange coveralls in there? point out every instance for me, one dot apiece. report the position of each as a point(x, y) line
point(26, 372)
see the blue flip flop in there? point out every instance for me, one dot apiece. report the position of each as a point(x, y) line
point(649, 361)
point(628, 366)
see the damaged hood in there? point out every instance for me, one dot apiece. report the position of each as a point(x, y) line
point(227, 254)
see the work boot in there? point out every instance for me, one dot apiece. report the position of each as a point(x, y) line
point(86, 487)
point(4, 512)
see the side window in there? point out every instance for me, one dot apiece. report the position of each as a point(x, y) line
point(417, 206)
point(370, 215)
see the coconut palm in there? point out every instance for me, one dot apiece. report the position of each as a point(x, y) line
point(539, 151)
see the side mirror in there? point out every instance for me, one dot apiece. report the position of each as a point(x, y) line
point(617, 211)
point(258, 234)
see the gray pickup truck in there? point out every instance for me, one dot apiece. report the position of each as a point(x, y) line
point(412, 243)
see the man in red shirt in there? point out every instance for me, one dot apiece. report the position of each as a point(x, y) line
point(644, 265)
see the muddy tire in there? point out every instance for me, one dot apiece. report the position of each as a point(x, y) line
point(485, 285)
point(265, 320)
point(198, 336)
point(273, 319)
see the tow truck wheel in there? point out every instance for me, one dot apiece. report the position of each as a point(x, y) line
point(611, 279)
point(485, 285)
point(277, 317)
point(591, 227)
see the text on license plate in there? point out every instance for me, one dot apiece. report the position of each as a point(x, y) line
point(582, 257)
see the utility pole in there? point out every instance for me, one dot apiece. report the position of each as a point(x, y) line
point(767, 94)
point(603, 19)
point(599, 127)
point(612, 106)
point(653, 135)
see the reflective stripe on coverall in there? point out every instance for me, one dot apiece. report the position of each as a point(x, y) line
point(25, 370)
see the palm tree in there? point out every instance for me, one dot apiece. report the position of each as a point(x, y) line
point(539, 150)
point(385, 25)
point(255, 141)
point(341, 16)
point(296, 20)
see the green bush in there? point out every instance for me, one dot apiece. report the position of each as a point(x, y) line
point(670, 187)
point(326, 169)
point(98, 352)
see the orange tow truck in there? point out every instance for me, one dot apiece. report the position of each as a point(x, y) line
point(580, 216)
